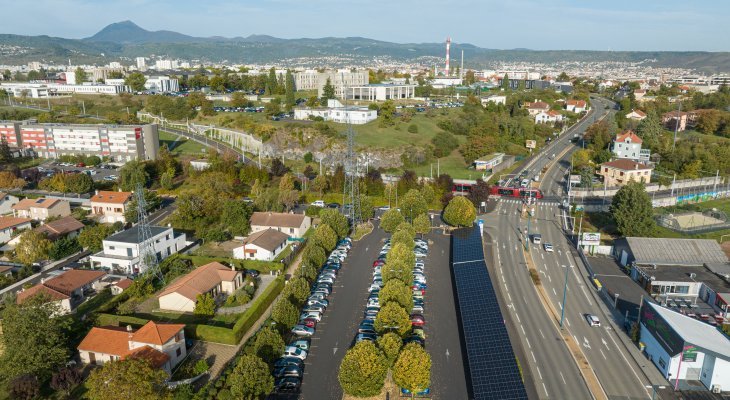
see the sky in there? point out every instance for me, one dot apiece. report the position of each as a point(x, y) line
point(661, 25)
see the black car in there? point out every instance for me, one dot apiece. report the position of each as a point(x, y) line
point(253, 273)
point(333, 205)
point(288, 384)
point(289, 370)
point(289, 362)
point(414, 339)
point(365, 328)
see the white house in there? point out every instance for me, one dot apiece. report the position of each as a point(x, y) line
point(41, 209)
point(121, 251)
point(537, 107)
point(549, 117)
point(263, 245)
point(163, 345)
point(627, 145)
point(336, 112)
point(213, 278)
point(7, 201)
point(109, 207)
point(294, 225)
point(68, 289)
point(8, 226)
point(636, 115)
point(576, 106)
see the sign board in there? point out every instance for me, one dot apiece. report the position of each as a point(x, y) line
point(591, 239)
point(689, 354)
point(530, 144)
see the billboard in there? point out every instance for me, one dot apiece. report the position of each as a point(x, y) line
point(591, 239)
point(530, 144)
point(660, 329)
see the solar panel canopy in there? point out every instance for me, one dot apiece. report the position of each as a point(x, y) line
point(492, 364)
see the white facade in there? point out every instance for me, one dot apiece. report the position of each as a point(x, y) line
point(46, 208)
point(6, 203)
point(8, 227)
point(339, 79)
point(494, 99)
point(549, 117)
point(161, 84)
point(165, 64)
point(356, 116)
point(380, 92)
point(32, 90)
point(141, 63)
point(121, 250)
point(443, 82)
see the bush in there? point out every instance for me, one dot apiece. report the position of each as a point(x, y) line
point(413, 128)
point(200, 367)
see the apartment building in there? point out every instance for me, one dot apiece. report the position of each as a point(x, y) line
point(121, 251)
point(313, 79)
point(118, 142)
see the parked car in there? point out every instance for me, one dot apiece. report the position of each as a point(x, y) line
point(314, 307)
point(423, 393)
point(366, 336)
point(317, 316)
point(318, 203)
point(296, 352)
point(309, 323)
point(287, 384)
point(286, 361)
point(417, 320)
point(289, 370)
point(301, 330)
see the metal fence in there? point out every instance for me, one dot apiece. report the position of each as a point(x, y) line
point(670, 221)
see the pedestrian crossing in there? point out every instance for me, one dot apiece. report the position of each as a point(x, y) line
point(518, 201)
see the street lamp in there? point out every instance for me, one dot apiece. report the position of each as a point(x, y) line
point(615, 300)
point(565, 291)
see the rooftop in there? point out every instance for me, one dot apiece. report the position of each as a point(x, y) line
point(626, 165)
point(9, 222)
point(664, 251)
point(60, 227)
point(269, 239)
point(131, 235)
point(694, 331)
point(277, 219)
point(111, 197)
point(200, 280)
point(686, 273)
point(27, 204)
point(630, 135)
point(72, 280)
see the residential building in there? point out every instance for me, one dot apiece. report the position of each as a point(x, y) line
point(636, 115)
point(576, 106)
point(7, 201)
point(380, 92)
point(109, 207)
point(339, 79)
point(41, 209)
point(294, 225)
point(549, 117)
point(141, 63)
point(263, 245)
point(622, 171)
point(487, 163)
point(65, 227)
point(9, 225)
point(163, 345)
point(342, 115)
point(121, 251)
point(161, 84)
point(679, 120)
point(118, 142)
point(639, 94)
point(627, 145)
point(212, 278)
point(496, 99)
point(6, 271)
point(162, 65)
point(68, 290)
point(536, 107)
point(120, 286)
point(684, 348)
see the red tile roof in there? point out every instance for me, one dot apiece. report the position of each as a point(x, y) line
point(27, 204)
point(538, 105)
point(124, 284)
point(73, 280)
point(629, 134)
point(53, 295)
point(201, 280)
point(156, 358)
point(9, 222)
point(111, 197)
point(626, 165)
point(158, 334)
point(639, 113)
point(286, 220)
point(115, 340)
point(60, 227)
point(577, 103)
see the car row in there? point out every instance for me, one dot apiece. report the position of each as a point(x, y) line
point(288, 370)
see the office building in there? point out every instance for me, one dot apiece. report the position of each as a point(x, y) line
point(380, 92)
point(161, 84)
point(312, 79)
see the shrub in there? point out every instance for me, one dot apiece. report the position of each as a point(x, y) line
point(413, 128)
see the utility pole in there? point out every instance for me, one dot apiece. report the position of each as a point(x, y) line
point(565, 291)
point(676, 124)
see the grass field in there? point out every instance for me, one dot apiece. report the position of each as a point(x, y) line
point(182, 146)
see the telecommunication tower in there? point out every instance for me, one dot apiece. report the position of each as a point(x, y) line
point(148, 263)
point(351, 194)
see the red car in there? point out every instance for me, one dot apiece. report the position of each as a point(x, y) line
point(417, 320)
point(416, 289)
point(378, 263)
point(309, 323)
point(80, 164)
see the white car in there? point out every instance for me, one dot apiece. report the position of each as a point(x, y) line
point(384, 208)
point(318, 203)
point(593, 320)
point(311, 315)
point(296, 352)
point(548, 247)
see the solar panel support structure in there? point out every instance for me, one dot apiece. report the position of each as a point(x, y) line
point(351, 193)
point(148, 263)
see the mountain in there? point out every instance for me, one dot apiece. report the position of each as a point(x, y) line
point(127, 32)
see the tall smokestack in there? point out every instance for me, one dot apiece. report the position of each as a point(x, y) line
point(447, 72)
point(461, 70)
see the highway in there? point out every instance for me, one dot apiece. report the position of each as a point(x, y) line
point(553, 367)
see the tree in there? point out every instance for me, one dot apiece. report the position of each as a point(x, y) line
point(632, 210)
point(363, 370)
point(288, 196)
point(278, 168)
point(132, 173)
point(412, 370)
point(313, 255)
point(479, 193)
point(80, 75)
point(135, 81)
point(8, 180)
point(268, 344)
point(24, 387)
point(272, 82)
point(91, 237)
point(236, 217)
point(5, 155)
point(367, 210)
point(328, 92)
point(325, 237)
point(204, 305)
point(63, 247)
point(33, 246)
point(392, 317)
point(290, 89)
point(391, 219)
point(297, 290)
point(133, 378)
point(708, 121)
point(413, 204)
point(650, 130)
point(336, 221)
point(251, 378)
point(390, 344)
point(599, 135)
point(396, 291)
point(422, 224)
point(238, 99)
point(460, 212)
point(151, 199)
point(404, 234)
point(66, 379)
point(387, 114)
point(33, 338)
point(505, 82)
point(284, 313)
point(563, 77)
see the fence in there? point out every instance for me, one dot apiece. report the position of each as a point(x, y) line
point(670, 221)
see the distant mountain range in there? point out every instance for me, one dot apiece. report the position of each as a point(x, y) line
point(126, 40)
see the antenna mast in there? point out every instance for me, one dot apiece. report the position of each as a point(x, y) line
point(148, 262)
point(351, 193)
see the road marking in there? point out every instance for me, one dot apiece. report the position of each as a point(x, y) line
point(560, 305)
point(586, 294)
point(447, 355)
point(538, 372)
point(334, 350)
point(586, 343)
point(528, 342)
point(604, 356)
point(503, 281)
point(563, 378)
point(567, 321)
point(545, 388)
point(524, 333)
point(500, 270)
point(542, 255)
point(518, 318)
point(533, 357)
point(549, 278)
point(510, 297)
point(554, 292)
point(605, 343)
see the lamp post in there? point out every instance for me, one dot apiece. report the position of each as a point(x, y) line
point(565, 291)
point(615, 300)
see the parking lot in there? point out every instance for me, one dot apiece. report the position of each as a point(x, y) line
point(615, 281)
point(110, 173)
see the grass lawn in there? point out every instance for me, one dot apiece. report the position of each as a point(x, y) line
point(371, 135)
point(453, 164)
point(284, 253)
point(182, 146)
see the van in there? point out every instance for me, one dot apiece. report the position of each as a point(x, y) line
point(537, 239)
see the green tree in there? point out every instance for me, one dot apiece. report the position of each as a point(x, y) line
point(413, 204)
point(290, 89)
point(91, 237)
point(328, 92)
point(132, 173)
point(391, 219)
point(505, 82)
point(320, 184)
point(650, 130)
point(217, 83)
point(336, 221)
point(151, 199)
point(390, 344)
point(631, 209)
point(363, 370)
point(367, 209)
point(325, 237)
point(80, 75)
point(296, 290)
point(5, 155)
point(708, 121)
point(284, 313)
point(460, 212)
point(135, 81)
point(79, 183)
point(412, 370)
point(313, 255)
point(33, 246)
point(33, 339)
point(63, 247)
point(128, 379)
point(268, 344)
point(393, 317)
point(396, 291)
point(422, 224)
point(204, 305)
point(251, 378)
point(272, 82)
point(387, 114)
point(238, 99)
point(599, 135)
point(236, 216)
point(399, 270)
point(8, 180)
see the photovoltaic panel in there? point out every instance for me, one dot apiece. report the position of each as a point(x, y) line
point(492, 363)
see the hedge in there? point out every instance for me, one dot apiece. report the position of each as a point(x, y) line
point(258, 307)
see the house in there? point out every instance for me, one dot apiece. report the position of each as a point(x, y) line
point(6, 203)
point(639, 94)
point(679, 120)
point(496, 99)
point(109, 207)
point(41, 209)
point(6, 271)
point(294, 225)
point(262, 245)
point(549, 117)
point(66, 226)
point(162, 344)
point(487, 163)
point(121, 251)
point(119, 286)
point(627, 145)
point(214, 278)
point(622, 171)
point(636, 115)
point(576, 106)
point(9, 225)
point(537, 107)
point(68, 290)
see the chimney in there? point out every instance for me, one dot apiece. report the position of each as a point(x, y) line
point(96, 192)
point(636, 166)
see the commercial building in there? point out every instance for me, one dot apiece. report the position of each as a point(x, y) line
point(262, 245)
point(339, 79)
point(41, 209)
point(380, 92)
point(212, 278)
point(109, 207)
point(118, 142)
point(121, 251)
point(141, 63)
point(163, 345)
point(487, 163)
point(622, 171)
point(294, 225)
point(161, 84)
point(342, 115)
point(685, 349)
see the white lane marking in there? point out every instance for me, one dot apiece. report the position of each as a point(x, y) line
point(586, 294)
point(554, 292)
point(542, 255)
point(543, 336)
point(528, 343)
point(510, 297)
point(538, 372)
point(533, 357)
point(545, 388)
point(605, 343)
point(518, 317)
point(604, 356)
point(550, 279)
point(586, 343)
point(523, 331)
point(567, 321)
point(563, 378)
point(560, 305)
point(500, 271)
